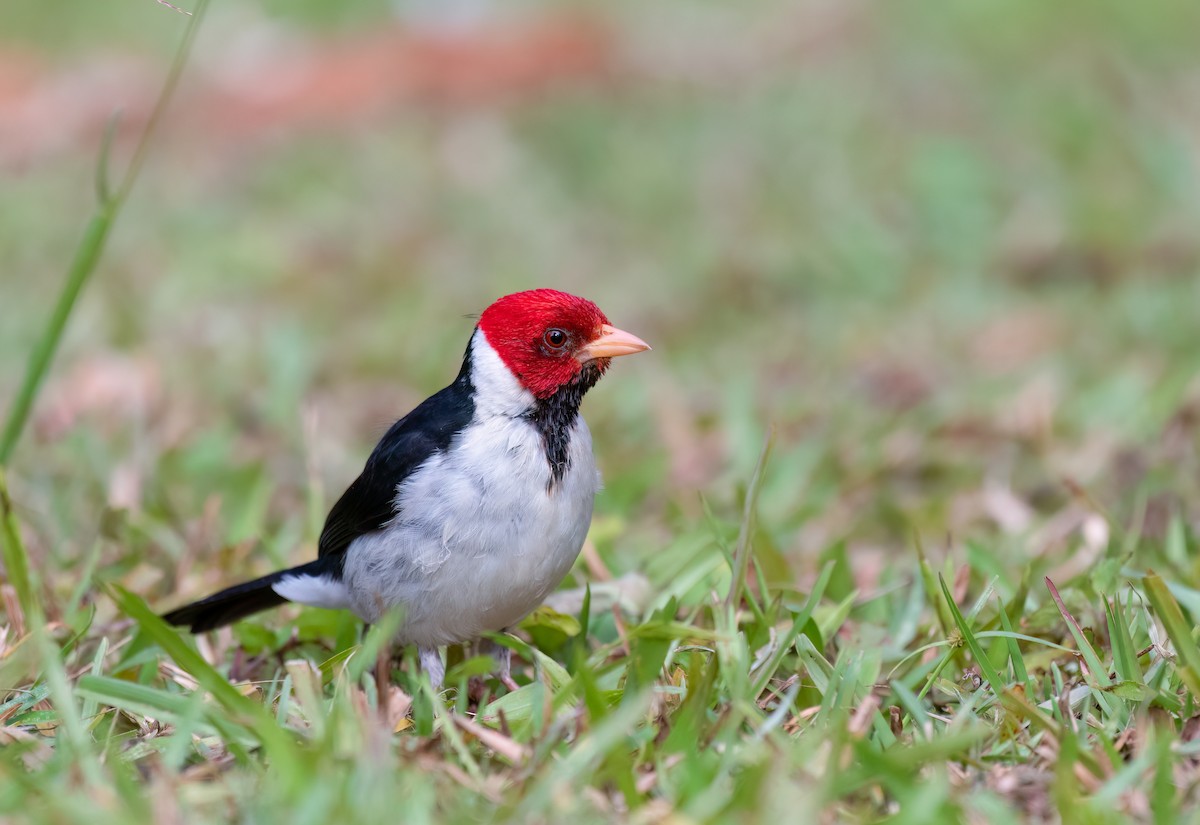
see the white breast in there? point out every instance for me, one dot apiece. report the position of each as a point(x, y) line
point(481, 536)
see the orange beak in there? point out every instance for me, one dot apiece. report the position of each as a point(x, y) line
point(612, 343)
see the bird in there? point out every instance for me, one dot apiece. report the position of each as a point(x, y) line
point(473, 506)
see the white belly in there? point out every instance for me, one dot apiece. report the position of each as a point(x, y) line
point(481, 537)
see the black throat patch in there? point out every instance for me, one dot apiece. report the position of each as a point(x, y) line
point(554, 416)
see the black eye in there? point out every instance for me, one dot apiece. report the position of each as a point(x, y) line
point(555, 338)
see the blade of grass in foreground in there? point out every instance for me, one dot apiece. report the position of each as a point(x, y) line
point(1020, 672)
point(160, 704)
point(83, 265)
point(584, 755)
point(1095, 667)
point(768, 669)
point(12, 551)
point(91, 246)
point(276, 741)
point(1178, 630)
point(1124, 656)
point(1015, 702)
point(73, 733)
point(930, 582)
point(981, 658)
point(741, 553)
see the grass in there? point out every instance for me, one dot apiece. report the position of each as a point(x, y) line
point(940, 258)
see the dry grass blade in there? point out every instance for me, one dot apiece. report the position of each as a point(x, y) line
point(514, 752)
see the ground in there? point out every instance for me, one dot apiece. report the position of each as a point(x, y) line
point(900, 514)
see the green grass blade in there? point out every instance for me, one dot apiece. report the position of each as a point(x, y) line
point(82, 266)
point(1020, 672)
point(1015, 702)
point(1178, 630)
point(741, 553)
point(1163, 795)
point(980, 655)
point(13, 553)
point(912, 706)
point(90, 248)
point(278, 742)
point(584, 755)
point(378, 638)
point(1095, 667)
point(819, 668)
point(1124, 654)
point(74, 736)
point(131, 696)
point(801, 619)
point(930, 581)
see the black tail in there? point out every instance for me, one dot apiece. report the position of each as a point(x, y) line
point(239, 601)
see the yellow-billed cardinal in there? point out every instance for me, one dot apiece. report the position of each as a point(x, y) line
point(474, 505)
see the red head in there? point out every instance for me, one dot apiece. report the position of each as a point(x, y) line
point(545, 337)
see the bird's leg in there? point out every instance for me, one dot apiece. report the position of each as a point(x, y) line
point(431, 663)
point(503, 657)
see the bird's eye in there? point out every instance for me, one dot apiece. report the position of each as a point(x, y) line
point(555, 338)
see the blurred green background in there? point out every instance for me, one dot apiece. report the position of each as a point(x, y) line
point(946, 251)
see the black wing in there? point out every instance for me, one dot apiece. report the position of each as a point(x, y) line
point(370, 502)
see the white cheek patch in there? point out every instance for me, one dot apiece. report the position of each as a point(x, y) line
point(497, 390)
